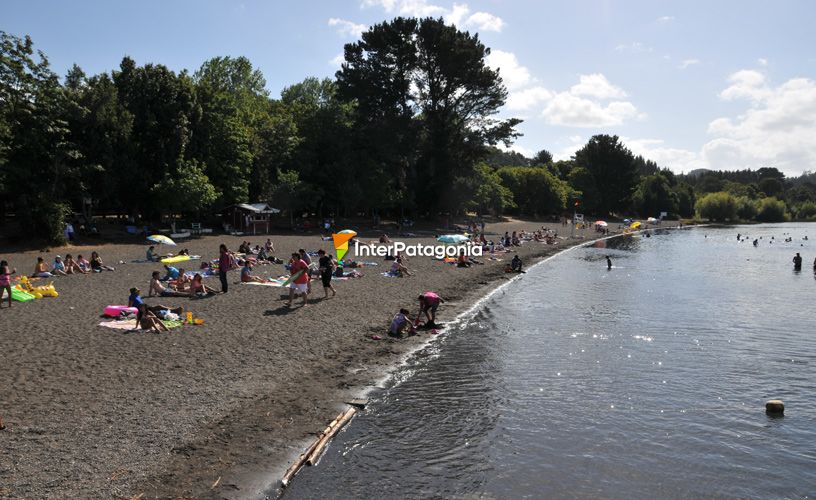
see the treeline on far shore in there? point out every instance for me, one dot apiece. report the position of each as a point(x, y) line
point(409, 126)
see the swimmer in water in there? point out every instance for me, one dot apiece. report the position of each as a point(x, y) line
point(797, 261)
point(609, 263)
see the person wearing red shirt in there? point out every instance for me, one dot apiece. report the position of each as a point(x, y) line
point(301, 282)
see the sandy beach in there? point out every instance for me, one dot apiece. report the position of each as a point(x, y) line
point(93, 412)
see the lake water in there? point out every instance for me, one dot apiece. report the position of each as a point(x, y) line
point(646, 381)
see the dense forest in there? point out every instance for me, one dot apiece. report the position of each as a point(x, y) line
point(408, 126)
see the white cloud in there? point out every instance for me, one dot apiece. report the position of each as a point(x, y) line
point(337, 60)
point(762, 61)
point(483, 21)
point(776, 129)
point(512, 73)
point(688, 62)
point(529, 153)
point(746, 84)
point(573, 111)
point(665, 19)
point(676, 159)
point(528, 98)
point(388, 5)
point(596, 85)
point(634, 47)
point(347, 28)
point(458, 15)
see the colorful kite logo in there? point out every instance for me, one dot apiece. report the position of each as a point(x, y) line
point(341, 243)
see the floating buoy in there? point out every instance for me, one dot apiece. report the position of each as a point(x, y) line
point(775, 407)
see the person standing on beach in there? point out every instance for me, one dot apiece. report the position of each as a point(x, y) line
point(300, 278)
point(326, 266)
point(797, 262)
point(224, 266)
point(428, 304)
point(608, 263)
point(5, 279)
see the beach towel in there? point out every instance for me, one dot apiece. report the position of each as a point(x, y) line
point(130, 324)
point(389, 274)
point(274, 283)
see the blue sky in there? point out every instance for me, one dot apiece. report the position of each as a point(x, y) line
point(724, 85)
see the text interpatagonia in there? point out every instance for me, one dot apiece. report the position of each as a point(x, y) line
point(417, 249)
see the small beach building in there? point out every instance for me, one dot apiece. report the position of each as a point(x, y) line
point(254, 218)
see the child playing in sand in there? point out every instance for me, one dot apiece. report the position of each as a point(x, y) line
point(5, 279)
point(401, 324)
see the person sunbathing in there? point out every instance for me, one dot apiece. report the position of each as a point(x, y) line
point(399, 269)
point(246, 274)
point(183, 281)
point(197, 286)
point(58, 268)
point(463, 261)
point(97, 265)
point(159, 290)
point(41, 269)
point(145, 318)
point(71, 267)
point(83, 263)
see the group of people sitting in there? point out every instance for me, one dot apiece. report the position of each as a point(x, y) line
point(261, 254)
point(177, 283)
point(69, 266)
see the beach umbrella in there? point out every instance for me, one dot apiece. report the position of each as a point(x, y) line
point(348, 231)
point(601, 223)
point(452, 238)
point(161, 239)
point(627, 221)
point(651, 219)
point(635, 225)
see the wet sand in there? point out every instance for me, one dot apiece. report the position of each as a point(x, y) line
point(93, 412)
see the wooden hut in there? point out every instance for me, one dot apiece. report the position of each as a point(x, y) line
point(251, 218)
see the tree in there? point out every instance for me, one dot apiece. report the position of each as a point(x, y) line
point(685, 199)
point(187, 189)
point(718, 207)
point(613, 168)
point(771, 210)
point(36, 146)
point(771, 186)
point(425, 104)
point(807, 211)
point(289, 192)
point(535, 190)
point(583, 183)
point(543, 157)
point(654, 195)
point(746, 208)
point(163, 107)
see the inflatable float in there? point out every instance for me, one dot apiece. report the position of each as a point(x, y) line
point(179, 258)
point(37, 291)
point(116, 311)
point(18, 295)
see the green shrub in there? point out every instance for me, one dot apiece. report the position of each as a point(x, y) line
point(771, 210)
point(718, 207)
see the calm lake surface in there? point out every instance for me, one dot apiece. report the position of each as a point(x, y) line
point(646, 381)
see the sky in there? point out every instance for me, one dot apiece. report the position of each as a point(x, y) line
point(689, 84)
